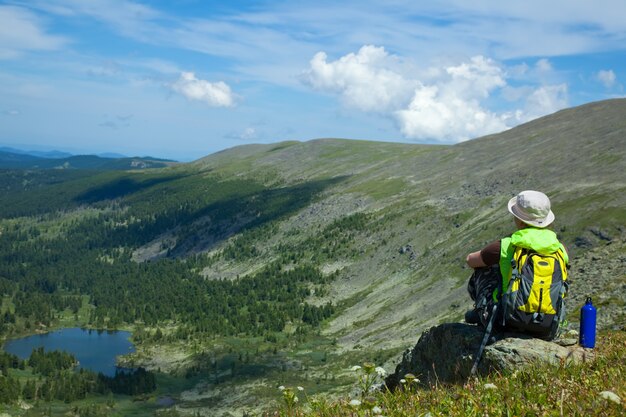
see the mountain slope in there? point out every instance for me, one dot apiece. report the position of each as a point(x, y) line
point(381, 228)
point(444, 201)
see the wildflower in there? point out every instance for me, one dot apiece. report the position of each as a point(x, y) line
point(490, 386)
point(282, 388)
point(300, 389)
point(355, 368)
point(380, 371)
point(355, 403)
point(611, 396)
point(403, 381)
point(377, 410)
point(409, 377)
point(289, 397)
point(368, 367)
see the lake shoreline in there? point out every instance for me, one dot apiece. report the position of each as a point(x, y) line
point(95, 350)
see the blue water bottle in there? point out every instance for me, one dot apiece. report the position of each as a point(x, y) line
point(588, 325)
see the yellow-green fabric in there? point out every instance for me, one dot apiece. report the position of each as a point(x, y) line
point(542, 241)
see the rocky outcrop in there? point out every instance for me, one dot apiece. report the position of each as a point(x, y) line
point(599, 274)
point(445, 353)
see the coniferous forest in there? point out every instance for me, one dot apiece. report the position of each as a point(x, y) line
point(56, 380)
point(44, 271)
point(66, 246)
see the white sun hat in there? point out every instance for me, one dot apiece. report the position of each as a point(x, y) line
point(532, 207)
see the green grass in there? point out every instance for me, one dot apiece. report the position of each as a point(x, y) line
point(536, 390)
point(380, 188)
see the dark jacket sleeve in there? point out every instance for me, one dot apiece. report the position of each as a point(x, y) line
point(490, 254)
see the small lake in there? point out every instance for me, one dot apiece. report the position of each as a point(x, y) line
point(95, 349)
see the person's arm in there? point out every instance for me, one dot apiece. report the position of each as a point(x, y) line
point(488, 256)
point(474, 260)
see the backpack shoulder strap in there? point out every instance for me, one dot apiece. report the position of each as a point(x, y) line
point(506, 254)
point(561, 257)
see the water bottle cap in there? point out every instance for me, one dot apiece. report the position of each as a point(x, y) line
point(588, 300)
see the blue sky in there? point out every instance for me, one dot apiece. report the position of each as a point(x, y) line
point(183, 79)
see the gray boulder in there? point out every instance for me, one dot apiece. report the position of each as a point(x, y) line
point(445, 353)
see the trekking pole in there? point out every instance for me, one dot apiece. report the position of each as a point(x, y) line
point(486, 336)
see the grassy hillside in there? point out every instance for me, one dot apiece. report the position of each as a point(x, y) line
point(381, 230)
point(583, 389)
point(444, 201)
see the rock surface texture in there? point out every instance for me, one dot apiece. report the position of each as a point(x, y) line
point(445, 354)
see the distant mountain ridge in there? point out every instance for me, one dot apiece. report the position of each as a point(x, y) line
point(39, 154)
point(12, 158)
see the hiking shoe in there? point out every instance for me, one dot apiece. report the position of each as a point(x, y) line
point(472, 317)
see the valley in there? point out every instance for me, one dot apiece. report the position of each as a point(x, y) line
point(288, 263)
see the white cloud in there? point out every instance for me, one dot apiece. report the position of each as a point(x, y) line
point(476, 78)
point(513, 94)
point(435, 114)
point(365, 80)
point(450, 110)
point(215, 94)
point(607, 77)
point(22, 31)
point(518, 71)
point(545, 100)
point(248, 133)
point(11, 112)
point(446, 104)
point(543, 65)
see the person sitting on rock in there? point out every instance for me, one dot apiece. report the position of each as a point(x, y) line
point(492, 264)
